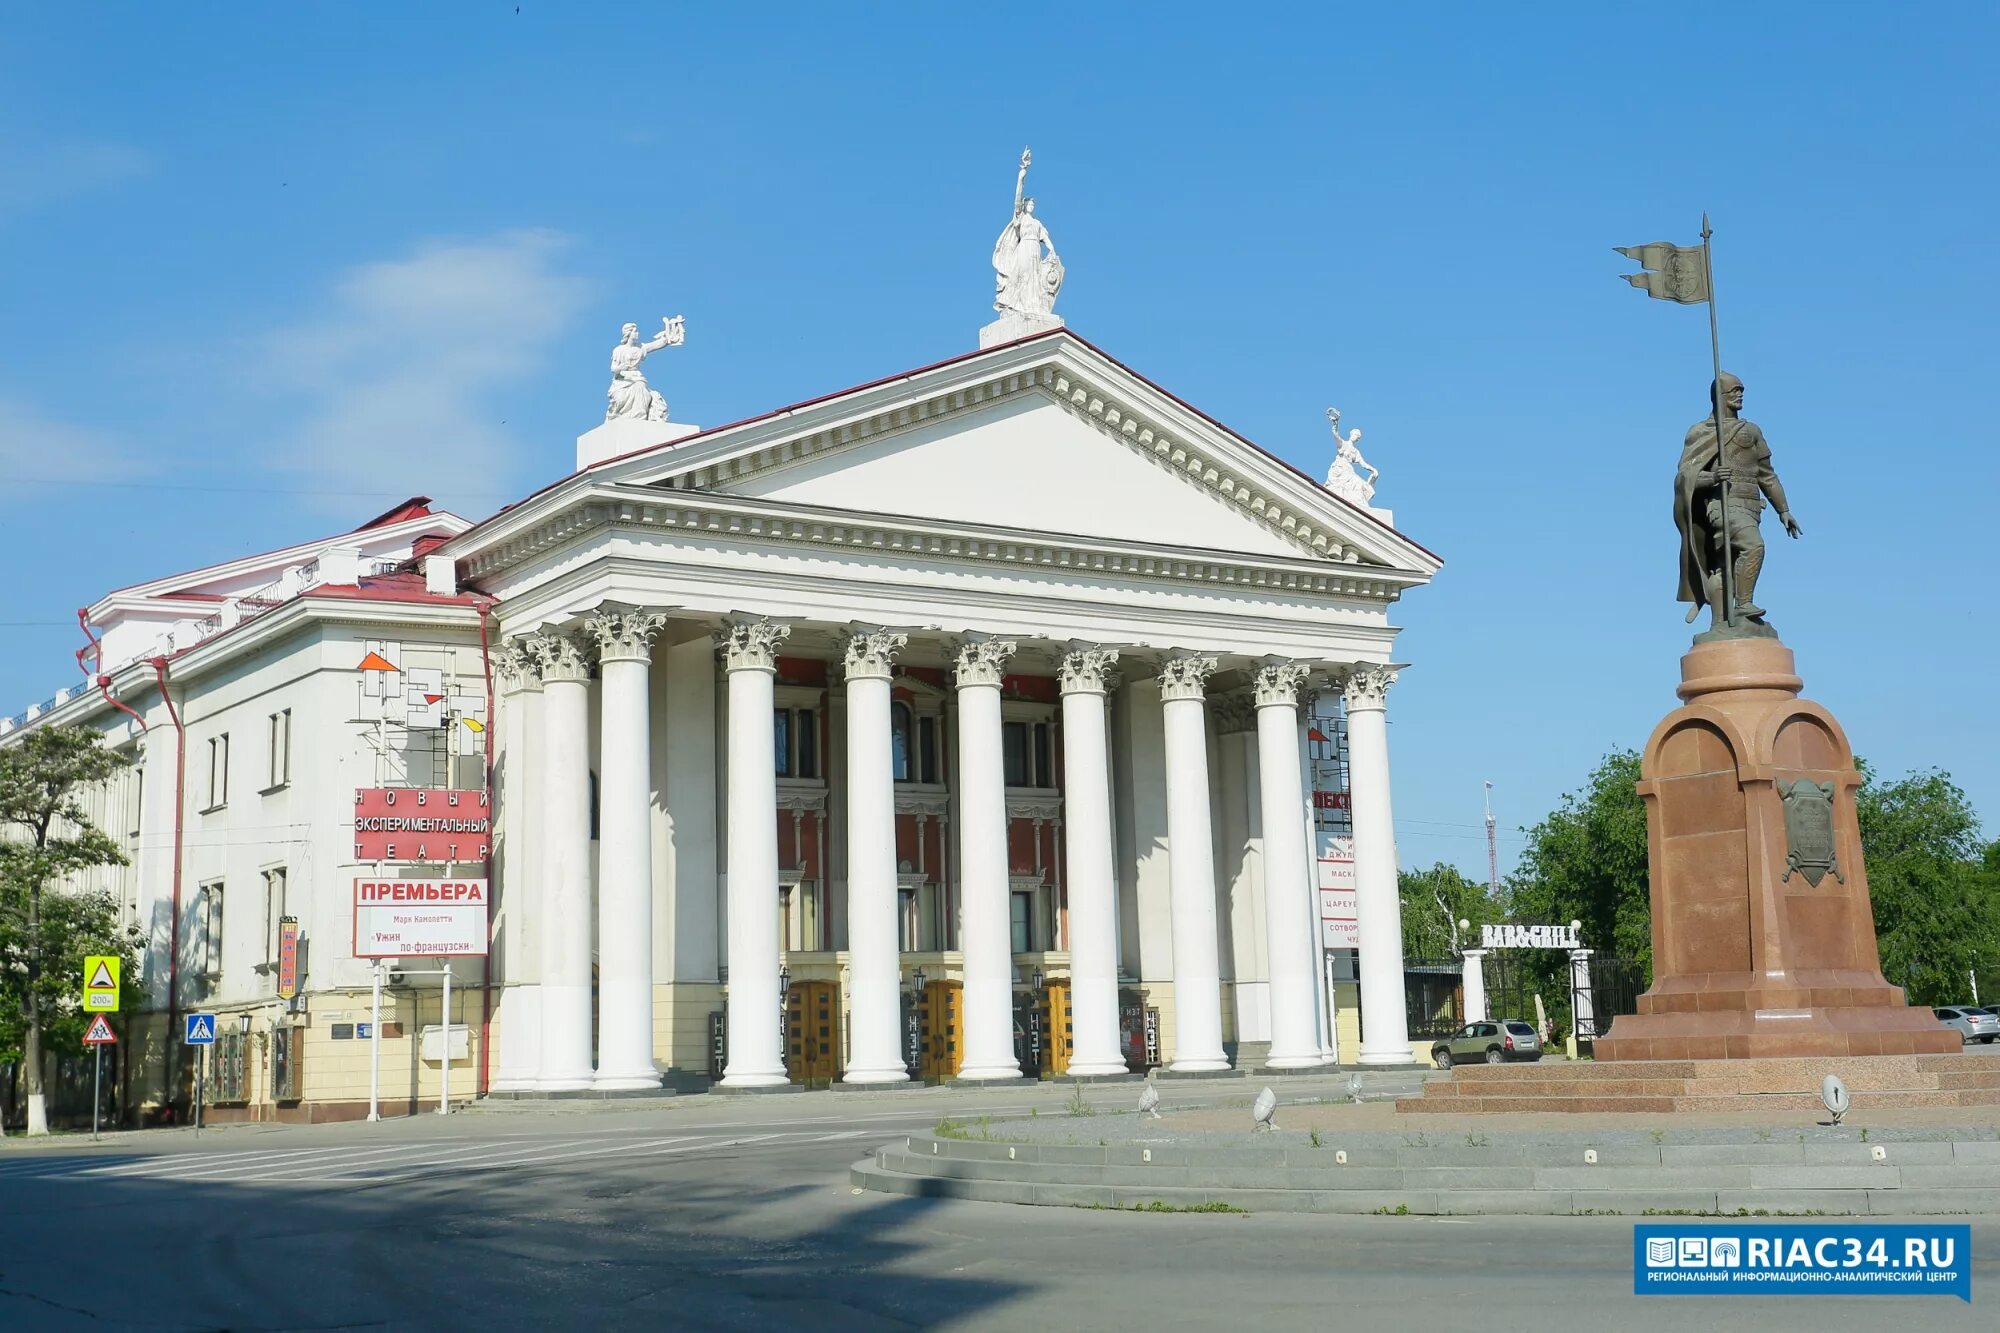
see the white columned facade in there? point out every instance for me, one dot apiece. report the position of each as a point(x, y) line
point(625, 850)
point(756, 1048)
point(521, 871)
point(1292, 948)
point(1385, 1028)
point(565, 923)
point(985, 935)
point(1475, 986)
point(874, 953)
point(1085, 675)
point(1191, 868)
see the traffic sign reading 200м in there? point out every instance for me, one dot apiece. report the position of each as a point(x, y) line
point(421, 824)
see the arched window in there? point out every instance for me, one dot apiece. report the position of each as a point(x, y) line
point(899, 741)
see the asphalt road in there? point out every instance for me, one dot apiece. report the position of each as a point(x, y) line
point(696, 1215)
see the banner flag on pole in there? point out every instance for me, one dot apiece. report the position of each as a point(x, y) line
point(1673, 272)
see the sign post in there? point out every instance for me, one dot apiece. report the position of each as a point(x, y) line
point(375, 1046)
point(199, 1033)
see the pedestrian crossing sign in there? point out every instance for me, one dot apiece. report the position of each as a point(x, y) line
point(100, 983)
point(99, 1032)
point(200, 1030)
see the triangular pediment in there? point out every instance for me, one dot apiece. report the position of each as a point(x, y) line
point(1048, 435)
point(1024, 462)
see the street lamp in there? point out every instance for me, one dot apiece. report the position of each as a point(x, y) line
point(784, 980)
point(1036, 979)
point(918, 978)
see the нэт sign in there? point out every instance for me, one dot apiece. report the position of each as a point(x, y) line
point(421, 824)
point(406, 918)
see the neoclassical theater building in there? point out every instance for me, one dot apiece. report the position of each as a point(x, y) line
point(945, 726)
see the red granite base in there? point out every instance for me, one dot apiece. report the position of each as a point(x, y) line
point(1761, 1031)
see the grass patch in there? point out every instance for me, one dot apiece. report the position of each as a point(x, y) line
point(978, 1131)
point(1316, 1141)
point(1740, 1212)
point(1400, 1210)
point(1077, 1104)
point(1162, 1206)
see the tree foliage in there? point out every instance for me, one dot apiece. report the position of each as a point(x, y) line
point(1433, 901)
point(45, 838)
point(1587, 862)
point(1936, 888)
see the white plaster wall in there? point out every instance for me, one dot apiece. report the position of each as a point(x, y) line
point(1145, 909)
point(687, 828)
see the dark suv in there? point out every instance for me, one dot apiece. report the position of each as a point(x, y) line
point(1493, 1041)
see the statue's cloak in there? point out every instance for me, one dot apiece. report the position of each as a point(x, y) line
point(1696, 470)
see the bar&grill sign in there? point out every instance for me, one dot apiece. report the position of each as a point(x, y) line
point(1713, 1258)
point(409, 918)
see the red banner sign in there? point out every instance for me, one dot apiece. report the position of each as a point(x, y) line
point(1330, 800)
point(288, 957)
point(421, 824)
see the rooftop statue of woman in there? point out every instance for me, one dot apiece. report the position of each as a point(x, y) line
point(1024, 281)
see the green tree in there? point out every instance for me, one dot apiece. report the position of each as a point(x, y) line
point(1434, 901)
point(45, 837)
point(1587, 862)
point(1936, 889)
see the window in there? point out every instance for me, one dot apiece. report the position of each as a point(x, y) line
point(1026, 749)
point(281, 749)
point(218, 771)
point(274, 914)
point(208, 931)
point(1022, 917)
point(800, 920)
point(913, 745)
point(795, 737)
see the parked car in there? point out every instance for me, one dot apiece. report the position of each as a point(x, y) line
point(1494, 1041)
point(1970, 1024)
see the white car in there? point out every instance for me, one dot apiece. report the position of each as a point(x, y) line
point(1970, 1024)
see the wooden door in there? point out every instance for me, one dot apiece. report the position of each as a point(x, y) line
point(1058, 1032)
point(812, 1033)
point(938, 1026)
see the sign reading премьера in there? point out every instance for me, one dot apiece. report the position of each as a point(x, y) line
point(408, 918)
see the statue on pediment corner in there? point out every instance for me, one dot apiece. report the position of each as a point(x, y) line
point(1344, 478)
point(630, 397)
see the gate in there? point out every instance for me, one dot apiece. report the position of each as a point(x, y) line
point(1515, 976)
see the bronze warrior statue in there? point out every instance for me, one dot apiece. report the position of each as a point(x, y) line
point(1744, 461)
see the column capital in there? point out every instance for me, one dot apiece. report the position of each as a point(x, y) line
point(1472, 955)
point(752, 645)
point(1186, 677)
point(871, 654)
point(623, 635)
point(560, 656)
point(1366, 687)
point(1089, 670)
point(1234, 712)
point(982, 661)
point(1278, 683)
point(519, 668)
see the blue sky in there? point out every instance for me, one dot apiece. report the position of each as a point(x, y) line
point(268, 272)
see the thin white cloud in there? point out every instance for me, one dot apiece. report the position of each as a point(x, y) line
point(36, 175)
point(395, 384)
point(38, 450)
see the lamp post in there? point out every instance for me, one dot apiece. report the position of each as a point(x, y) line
point(784, 999)
point(914, 1037)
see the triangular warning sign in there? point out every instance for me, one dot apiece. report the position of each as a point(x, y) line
point(99, 1032)
point(1315, 734)
point(432, 698)
point(101, 979)
point(375, 662)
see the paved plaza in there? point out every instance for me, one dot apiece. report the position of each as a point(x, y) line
point(694, 1214)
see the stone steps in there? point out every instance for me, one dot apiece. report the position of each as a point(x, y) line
point(1910, 1178)
point(1970, 1078)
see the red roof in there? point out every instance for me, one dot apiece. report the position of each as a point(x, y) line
point(417, 506)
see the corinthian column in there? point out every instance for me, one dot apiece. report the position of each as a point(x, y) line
point(756, 1054)
point(1191, 868)
point(565, 925)
point(1385, 1027)
point(518, 815)
point(874, 970)
point(625, 850)
point(1287, 895)
point(986, 937)
point(1086, 674)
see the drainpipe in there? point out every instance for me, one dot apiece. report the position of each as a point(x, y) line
point(492, 822)
point(174, 926)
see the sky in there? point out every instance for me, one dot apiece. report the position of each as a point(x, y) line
point(264, 273)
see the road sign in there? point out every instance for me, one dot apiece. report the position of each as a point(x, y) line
point(100, 983)
point(200, 1030)
point(99, 1032)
